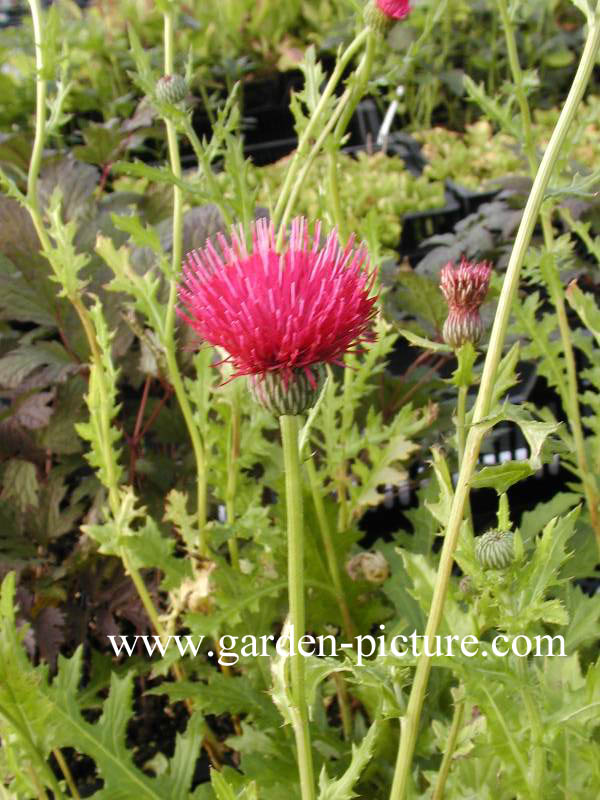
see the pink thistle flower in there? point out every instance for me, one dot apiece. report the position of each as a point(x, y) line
point(279, 315)
point(464, 287)
point(395, 9)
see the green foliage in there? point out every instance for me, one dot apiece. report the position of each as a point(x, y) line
point(377, 183)
point(99, 391)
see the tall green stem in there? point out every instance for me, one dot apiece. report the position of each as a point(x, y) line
point(334, 573)
point(361, 80)
point(410, 722)
point(360, 84)
point(457, 717)
point(339, 121)
point(517, 73)
point(461, 436)
point(295, 526)
point(571, 391)
point(538, 757)
point(308, 133)
point(80, 308)
point(40, 108)
point(176, 257)
point(332, 562)
point(233, 455)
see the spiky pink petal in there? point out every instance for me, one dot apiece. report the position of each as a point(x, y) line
point(280, 312)
point(395, 9)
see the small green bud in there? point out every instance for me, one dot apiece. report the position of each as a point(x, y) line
point(495, 549)
point(171, 89)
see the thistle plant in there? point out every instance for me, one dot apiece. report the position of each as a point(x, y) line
point(287, 314)
point(410, 721)
point(281, 314)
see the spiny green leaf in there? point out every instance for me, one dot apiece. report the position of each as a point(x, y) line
point(585, 305)
point(441, 508)
point(343, 788)
point(502, 476)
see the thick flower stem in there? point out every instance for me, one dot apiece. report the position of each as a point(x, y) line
point(293, 495)
point(410, 722)
point(169, 329)
point(570, 393)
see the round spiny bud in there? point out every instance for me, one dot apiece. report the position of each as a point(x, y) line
point(495, 549)
point(282, 393)
point(171, 89)
point(461, 327)
point(464, 287)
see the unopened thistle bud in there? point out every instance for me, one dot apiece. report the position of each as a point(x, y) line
point(281, 393)
point(464, 288)
point(171, 89)
point(379, 15)
point(495, 549)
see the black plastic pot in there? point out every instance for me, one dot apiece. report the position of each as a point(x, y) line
point(420, 225)
point(470, 200)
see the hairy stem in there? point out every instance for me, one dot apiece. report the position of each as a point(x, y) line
point(295, 526)
point(40, 111)
point(232, 472)
point(410, 722)
point(457, 717)
point(332, 563)
point(571, 393)
point(461, 434)
point(305, 138)
point(64, 768)
point(169, 329)
point(538, 758)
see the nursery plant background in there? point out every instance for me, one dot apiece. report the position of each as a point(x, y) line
point(428, 459)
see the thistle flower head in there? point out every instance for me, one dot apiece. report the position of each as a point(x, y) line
point(279, 314)
point(464, 287)
point(380, 14)
point(395, 9)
